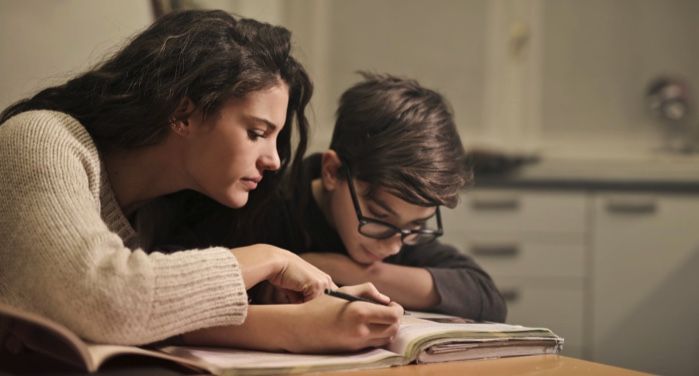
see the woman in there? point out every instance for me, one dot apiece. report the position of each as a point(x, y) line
point(197, 101)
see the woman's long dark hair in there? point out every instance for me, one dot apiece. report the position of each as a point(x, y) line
point(128, 101)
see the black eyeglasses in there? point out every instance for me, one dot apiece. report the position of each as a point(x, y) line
point(376, 229)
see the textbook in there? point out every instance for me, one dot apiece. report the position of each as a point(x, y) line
point(422, 338)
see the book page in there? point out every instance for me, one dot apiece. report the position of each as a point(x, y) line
point(485, 352)
point(102, 353)
point(47, 337)
point(248, 362)
point(55, 340)
point(416, 334)
point(438, 317)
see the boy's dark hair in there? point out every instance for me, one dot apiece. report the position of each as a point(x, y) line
point(395, 134)
point(127, 101)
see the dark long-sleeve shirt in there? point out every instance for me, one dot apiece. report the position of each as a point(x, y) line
point(464, 288)
point(298, 224)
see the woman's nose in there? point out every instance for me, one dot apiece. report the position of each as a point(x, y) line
point(269, 160)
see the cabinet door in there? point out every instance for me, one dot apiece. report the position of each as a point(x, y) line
point(553, 303)
point(516, 255)
point(645, 278)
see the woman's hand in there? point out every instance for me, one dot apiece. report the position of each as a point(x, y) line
point(329, 324)
point(295, 278)
point(322, 325)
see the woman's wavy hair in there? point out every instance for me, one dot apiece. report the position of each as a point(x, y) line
point(128, 101)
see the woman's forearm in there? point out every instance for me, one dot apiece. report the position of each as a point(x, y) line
point(266, 328)
point(321, 325)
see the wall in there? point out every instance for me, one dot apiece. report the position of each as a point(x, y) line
point(334, 39)
point(46, 42)
point(559, 78)
point(599, 57)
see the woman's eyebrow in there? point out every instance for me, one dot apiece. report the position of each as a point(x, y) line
point(254, 119)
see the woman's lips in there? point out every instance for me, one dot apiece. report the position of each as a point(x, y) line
point(250, 183)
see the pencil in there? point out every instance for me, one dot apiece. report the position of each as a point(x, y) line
point(350, 297)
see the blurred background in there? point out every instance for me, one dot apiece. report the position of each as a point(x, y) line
point(580, 118)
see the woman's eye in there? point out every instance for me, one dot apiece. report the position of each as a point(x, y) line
point(254, 134)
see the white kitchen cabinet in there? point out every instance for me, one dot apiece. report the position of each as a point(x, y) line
point(616, 273)
point(533, 245)
point(554, 304)
point(645, 282)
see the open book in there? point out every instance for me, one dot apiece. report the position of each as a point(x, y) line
point(422, 338)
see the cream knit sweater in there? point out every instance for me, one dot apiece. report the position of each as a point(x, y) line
point(67, 252)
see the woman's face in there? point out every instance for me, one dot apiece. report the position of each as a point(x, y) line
point(381, 205)
point(227, 154)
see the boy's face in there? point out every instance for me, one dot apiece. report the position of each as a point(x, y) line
point(381, 205)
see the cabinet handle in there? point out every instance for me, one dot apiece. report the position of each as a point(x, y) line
point(632, 206)
point(503, 250)
point(503, 203)
point(510, 295)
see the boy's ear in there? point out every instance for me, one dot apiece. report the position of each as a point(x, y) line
point(179, 121)
point(329, 169)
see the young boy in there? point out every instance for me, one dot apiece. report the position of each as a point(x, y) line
point(367, 209)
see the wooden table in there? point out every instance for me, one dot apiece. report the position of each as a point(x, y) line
point(542, 365)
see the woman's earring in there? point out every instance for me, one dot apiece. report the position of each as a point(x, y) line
point(179, 126)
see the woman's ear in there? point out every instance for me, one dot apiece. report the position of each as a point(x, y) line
point(179, 121)
point(330, 169)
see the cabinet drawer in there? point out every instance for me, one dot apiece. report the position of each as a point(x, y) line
point(511, 211)
point(559, 308)
point(511, 255)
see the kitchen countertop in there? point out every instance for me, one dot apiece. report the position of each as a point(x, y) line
point(675, 173)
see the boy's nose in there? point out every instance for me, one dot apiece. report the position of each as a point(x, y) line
point(391, 246)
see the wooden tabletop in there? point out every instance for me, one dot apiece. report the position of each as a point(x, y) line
point(542, 365)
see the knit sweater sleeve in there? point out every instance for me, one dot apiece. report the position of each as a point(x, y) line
point(59, 258)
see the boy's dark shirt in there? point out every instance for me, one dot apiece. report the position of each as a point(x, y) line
point(298, 225)
point(464, 288)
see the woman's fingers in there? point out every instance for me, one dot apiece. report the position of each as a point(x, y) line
point(284, 269)
point(367, 290)
point(299, 275)
point(371, 313)
point(386, 331)
point(317, 286)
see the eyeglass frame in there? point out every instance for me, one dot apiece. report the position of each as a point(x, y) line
point(397, 230)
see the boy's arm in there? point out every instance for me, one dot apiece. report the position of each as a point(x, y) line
point(412, 287)
point(434, 276)
point(465, 289)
